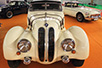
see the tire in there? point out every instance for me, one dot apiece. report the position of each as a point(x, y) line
point(80, 17)
point(13, 63)
point(9, 14)
point(77, 63)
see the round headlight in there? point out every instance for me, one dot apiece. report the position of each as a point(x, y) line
point(24, 45)
point(68, 44)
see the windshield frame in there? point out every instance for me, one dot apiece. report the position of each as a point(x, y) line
point(46, 6)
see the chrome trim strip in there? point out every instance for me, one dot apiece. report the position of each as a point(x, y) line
point(44, 14)
point(46, 45)
point(43, 17)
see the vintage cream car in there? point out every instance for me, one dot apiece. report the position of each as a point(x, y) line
point(45, 40)
point(81, 13)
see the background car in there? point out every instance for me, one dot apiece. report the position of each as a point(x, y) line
point(80, 12)
point(13, 8)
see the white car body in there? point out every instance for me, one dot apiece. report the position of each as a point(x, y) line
point(89, 14)
point(36, 20)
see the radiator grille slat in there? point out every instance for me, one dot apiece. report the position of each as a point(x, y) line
point(51, 45)
point(41, 41)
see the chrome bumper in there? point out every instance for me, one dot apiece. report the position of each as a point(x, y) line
point(93, 17)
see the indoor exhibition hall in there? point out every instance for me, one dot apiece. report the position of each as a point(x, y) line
point(50, 33)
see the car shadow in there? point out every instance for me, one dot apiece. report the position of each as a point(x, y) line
point(87, 21)
point(58, 64)
point(13, 15)
point(100, 18)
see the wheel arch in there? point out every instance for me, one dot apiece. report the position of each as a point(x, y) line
point(9, 9)
point(82, 42)
point(12, 35)
point(83, 16)
point(79, 13)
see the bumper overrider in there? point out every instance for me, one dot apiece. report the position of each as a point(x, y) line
point(72, 44)
point(93, 17)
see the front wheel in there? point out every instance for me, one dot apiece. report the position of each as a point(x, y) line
point(9, 14)
point(80, 17)
point(13, 63)
point(77, 63)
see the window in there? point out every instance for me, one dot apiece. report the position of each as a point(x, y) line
point(71, 4)
point(37, 6)
point(12, 3)
point(54, 6)
point(21, 3)
point(45, 6)
point(67, 4)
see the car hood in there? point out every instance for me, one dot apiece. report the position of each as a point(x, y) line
point(89, 10)
point(53, 21)
point(54, 13)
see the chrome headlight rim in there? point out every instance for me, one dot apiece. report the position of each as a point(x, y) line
point(69, 42)
point(26, 43)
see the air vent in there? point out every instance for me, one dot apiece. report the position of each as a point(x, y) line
point(51, 45)
point(41, 41)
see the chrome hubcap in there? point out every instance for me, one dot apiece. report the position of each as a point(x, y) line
point(80, 17)
point(9, 14)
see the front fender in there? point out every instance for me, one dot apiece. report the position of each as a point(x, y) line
point(82, 42)
point(12, 35)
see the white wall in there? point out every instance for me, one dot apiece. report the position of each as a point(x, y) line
point(2, 2)
point(87, 1)
point(83, 1)
point(98, 2)
point(16, 0)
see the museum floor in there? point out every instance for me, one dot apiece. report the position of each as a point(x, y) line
point(92, 28)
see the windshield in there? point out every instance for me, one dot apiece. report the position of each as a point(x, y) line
point(70, 4)
point(11, 3)
point(46, 6)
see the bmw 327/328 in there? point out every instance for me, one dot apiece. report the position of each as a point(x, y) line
point(45, 40)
